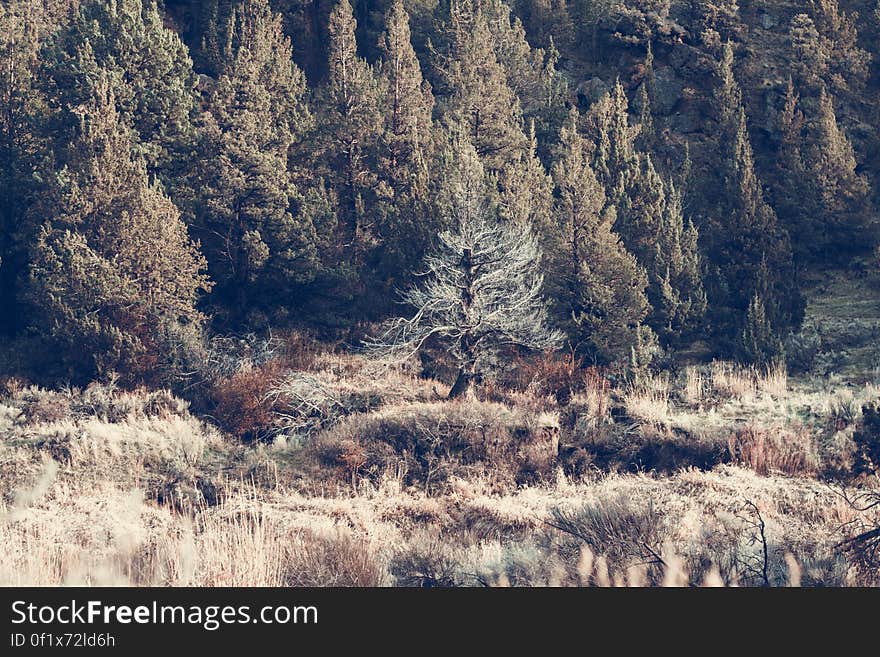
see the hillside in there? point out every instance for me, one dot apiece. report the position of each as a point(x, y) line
point(440, 292)
point(665, 483)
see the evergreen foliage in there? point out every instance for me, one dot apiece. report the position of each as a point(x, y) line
point(114, 273)
point(256, 226)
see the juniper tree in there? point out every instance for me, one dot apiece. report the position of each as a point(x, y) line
point(474, 80)
point(549, 23)
point(588, 14)
point(482, 290)
point(743, 231)
point(524, 188)
point(255, 224)
point(810, 50)
point(645, 217)
point(22, 108)
point(647, 137)
point(530, 73)
point(759, 342)
point(114, 272)
point(486, 64)
point(842, 194)
point(148, 68)
point(407, 103)
point(793, 198)
point(404, 152)
point(614, 153)
point(676, 292)
point(848, 63)
point(348, 108)
point(598, 285)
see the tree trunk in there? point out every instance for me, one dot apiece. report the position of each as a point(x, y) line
point(462, 384)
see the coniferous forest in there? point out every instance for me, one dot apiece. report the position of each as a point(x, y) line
point(568, 292)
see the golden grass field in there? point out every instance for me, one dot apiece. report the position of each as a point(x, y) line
point(102, 486)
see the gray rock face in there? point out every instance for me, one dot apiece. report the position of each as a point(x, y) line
point(590, 91)
point(684, 56)
point(668, 88)
point(768, 21)
point(686, 122)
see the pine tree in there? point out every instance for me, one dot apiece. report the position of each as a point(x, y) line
point(406, 150)
point(842, 193)
point(599, 286)
point(114, 271)
point(350, 122)
point(22, 108)
point(148, 67)
point(743, 232)
point(477, 93)
point(256, 226)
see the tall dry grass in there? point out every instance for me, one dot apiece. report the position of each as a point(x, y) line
point(80, 476)
point(648, 400)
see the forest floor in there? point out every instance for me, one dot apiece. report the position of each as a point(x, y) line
point(374, 479)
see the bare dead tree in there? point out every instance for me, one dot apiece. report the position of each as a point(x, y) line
point(760, 566)
point(863, 535)
point(482, 290)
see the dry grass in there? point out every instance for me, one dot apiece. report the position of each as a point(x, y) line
point(434, 492)
point(608, 530)
point(775, 449)
point(695, 385)
point(648, 401)
point(730, 380)
point(773, 380)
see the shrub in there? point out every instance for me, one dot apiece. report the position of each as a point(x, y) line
point(560, 376)
point(433, 441)
point(802, 348)
point(338, 559)
point(243, 405)
point(426, 562)
point(48, 407)
point(867, 439)
point(99, 400)
point(775, 449)
point(621, 531)
point(843, 410)
point(340, 386)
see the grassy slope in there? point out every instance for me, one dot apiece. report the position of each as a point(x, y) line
point(102, 486)
point(844, 309)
